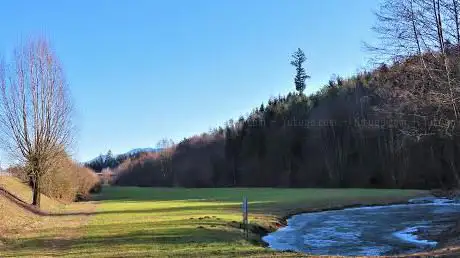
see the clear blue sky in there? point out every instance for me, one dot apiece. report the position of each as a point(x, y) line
point(140, 71)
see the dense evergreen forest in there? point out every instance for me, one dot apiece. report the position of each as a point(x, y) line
point(394, 126)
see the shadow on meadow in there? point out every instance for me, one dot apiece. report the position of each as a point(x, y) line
point(142, 236)
point(152, 211)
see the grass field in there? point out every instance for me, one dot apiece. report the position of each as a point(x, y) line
point(164, 222)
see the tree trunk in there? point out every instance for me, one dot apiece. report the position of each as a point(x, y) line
point(452, 162)
point(457, 22)
point(36, 193)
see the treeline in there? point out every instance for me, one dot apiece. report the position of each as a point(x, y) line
point(335, 138)
point(393, 127)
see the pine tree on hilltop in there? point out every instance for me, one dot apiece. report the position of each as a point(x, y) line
point(300, 77)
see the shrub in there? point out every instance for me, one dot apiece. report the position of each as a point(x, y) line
point(87, 182)
point(66, 181)
point(60, 182)
point(18, 171)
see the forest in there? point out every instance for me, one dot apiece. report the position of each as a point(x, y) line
point(393, 126)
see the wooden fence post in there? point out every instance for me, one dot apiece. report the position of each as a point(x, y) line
point(245, 217)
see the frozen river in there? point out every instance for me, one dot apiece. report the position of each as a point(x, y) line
point(379, 230)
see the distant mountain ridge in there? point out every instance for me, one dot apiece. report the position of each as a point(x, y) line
point(129, 153)
point(142, 150)
point(103, 161)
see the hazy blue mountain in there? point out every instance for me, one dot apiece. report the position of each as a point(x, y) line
point(132, 152)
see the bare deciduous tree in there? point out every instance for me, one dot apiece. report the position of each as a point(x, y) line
point(165, 143)
point(423, 36)
point(165, 147)
point(35, 110)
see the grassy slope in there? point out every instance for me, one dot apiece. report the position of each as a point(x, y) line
point(140, 222)
point(14, 218)
point(15, 186)
point(18, 224)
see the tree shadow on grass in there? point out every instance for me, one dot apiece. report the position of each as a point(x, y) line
point(156, 226)
point(139, 239)
point(231, 207)
point(152, 210)
point(13, 198)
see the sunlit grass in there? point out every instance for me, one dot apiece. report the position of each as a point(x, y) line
point(143, 222)
point(24, 192)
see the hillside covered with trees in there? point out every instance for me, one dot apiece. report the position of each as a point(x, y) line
point(334, 138)
point(394, 126)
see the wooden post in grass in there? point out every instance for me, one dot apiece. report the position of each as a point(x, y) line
point(245, 217)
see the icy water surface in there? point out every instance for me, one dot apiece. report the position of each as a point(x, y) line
point(379, 230)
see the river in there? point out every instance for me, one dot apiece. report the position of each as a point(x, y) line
point(377, 230)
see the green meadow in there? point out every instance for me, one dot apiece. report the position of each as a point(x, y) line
point(163, 222)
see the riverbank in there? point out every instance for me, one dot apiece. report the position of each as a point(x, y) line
point(443, 230)
point(281, 221)
point(448, 242)
point(448, 235)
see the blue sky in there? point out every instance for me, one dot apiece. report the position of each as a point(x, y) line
point(140, 71)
